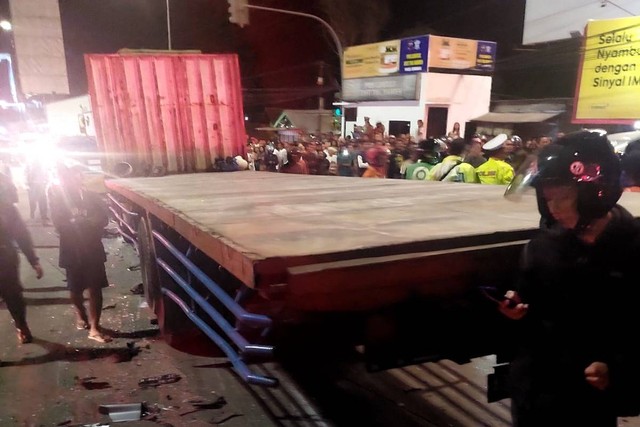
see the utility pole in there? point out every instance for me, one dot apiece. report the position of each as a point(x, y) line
point(320, 83)
point(168, 26)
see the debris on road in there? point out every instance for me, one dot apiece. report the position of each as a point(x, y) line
point(159, 380)
point(89, 383)
point(137, 289)
point(123, 411)
point(216, 404)
point(223, 417)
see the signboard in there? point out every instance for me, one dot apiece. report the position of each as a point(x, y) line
point(389, 88)
point(608, 86)
point(413, 54)
point(416, 55)
point(371, 60)
point(451, 53)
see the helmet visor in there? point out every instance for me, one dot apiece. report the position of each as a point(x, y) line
point(524, 180)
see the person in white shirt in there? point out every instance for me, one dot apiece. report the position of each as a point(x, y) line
point(281, 153)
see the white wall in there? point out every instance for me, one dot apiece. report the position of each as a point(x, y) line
point(465, 96)
point(63, 116)
point(387, 111)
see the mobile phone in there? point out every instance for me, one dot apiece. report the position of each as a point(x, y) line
point(492, 293)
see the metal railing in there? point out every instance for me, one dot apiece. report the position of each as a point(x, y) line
point(235, 346)
point(124, 228)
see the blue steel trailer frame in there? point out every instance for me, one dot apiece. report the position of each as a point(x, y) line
point(235, 346)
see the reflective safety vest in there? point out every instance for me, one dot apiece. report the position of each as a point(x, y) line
point(453, 169)
point(418, 171)
point(495, 172)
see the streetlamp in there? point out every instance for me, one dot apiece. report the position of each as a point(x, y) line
point(6, 27)
point(168, 25)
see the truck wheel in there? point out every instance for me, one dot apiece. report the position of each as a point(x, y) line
point(148, 267)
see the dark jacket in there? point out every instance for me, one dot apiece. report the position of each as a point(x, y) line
point(80, 233)
point(582, 308)
point(13, 230)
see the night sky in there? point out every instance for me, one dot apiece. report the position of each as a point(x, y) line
point(280, 55)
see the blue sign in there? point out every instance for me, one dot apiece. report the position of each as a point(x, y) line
point(413, 54)
point(486, 56)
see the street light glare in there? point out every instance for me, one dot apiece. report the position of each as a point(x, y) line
point(5, 25)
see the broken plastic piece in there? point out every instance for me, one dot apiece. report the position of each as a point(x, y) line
point(159, 380)
point(215, 404)
point(123, 412)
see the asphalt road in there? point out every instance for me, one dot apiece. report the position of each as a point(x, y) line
point(63, 378)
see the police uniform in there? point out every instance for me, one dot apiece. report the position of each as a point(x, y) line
point(453, 169)
point(495, 171)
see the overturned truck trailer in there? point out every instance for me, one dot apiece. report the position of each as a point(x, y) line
point(247, 251)
point(392, 265)
point(166, 112)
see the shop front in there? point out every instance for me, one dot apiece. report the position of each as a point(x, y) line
point(439, 80)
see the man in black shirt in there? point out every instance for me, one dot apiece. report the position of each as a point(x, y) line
point(576, 360)
point(13, 230)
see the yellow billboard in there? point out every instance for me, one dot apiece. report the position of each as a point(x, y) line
point(608, 85)
point(371, 60)
point(452, 53)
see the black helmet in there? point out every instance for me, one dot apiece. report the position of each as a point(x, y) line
point(585, 159)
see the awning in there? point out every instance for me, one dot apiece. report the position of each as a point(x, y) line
point(516, 117)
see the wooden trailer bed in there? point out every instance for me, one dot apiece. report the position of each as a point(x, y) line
point(335, 243)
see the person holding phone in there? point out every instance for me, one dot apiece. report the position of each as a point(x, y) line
point(575, 303)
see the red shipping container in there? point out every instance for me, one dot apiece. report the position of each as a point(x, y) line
point(177, 112)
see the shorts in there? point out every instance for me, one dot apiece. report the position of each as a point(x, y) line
point(87, 277)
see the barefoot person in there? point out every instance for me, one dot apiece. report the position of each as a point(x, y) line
point(80, 217)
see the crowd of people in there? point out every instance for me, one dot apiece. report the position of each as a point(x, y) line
point(450, 158)
point(480, 159)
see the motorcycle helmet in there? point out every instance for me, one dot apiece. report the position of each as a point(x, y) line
point(584, 159)
point(376, 156)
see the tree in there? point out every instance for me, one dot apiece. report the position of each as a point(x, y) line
point(356, 21)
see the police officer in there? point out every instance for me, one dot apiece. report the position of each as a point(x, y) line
point(575, 303)
point(496, 170)
point(13, 230)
